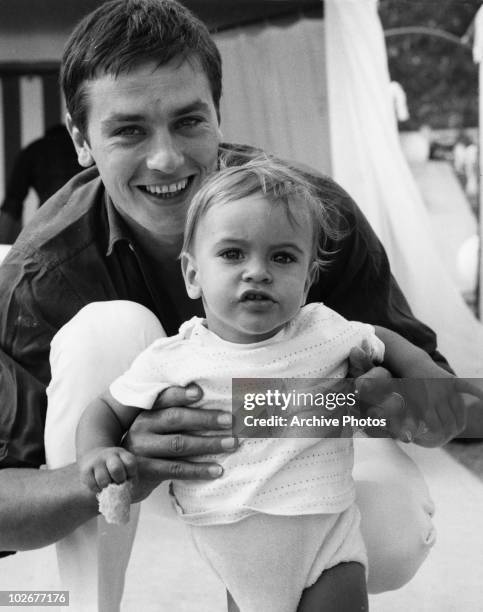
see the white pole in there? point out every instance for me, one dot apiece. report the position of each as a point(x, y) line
point(480, 191)
point(478, 57)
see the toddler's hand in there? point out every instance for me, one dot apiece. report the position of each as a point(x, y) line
point(103, 466)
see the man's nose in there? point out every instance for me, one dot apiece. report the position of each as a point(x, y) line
point(257, 271)
point(164, 154)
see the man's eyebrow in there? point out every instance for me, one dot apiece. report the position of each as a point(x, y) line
point(122, 118)
point(197, 105)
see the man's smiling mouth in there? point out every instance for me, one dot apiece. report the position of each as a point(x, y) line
point(170, 190)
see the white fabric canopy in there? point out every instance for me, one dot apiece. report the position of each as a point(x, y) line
point(478, 57)
point(478, 40)
point(274, 90)
point(368, 162)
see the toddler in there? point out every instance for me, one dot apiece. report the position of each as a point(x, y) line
point(282, 515)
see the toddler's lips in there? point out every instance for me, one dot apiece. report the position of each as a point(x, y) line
point(256, 296)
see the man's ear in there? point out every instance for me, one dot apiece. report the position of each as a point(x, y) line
point(84, 155)
point(190, 275)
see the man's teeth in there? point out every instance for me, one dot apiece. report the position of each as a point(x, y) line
point(163, 189)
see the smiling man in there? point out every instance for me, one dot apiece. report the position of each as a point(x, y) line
point(153, 134)
point(142, 80)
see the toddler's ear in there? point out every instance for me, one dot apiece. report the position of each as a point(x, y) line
point(190, 275)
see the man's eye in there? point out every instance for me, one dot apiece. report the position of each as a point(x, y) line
point(283, 258)
point(129, 130)
point(232, 254)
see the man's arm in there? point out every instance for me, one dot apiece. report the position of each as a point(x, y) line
point(38, 507)
point(404, 359)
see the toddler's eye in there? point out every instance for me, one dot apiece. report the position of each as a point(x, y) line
point(283, 258)
point(189, 122)
point(232, 254)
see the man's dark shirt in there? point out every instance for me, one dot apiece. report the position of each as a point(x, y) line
point(77, 250)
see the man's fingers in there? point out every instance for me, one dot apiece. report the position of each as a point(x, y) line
point(465, 386)
point(378, 374)
point(178, 396)
point(428, 412)
point(154, 471)
point(181, 419)
point(399, 423)
point(193, 419)
point(460, 412)
point(373, 390)
point(181, 445)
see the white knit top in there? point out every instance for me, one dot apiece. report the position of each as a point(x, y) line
point(286, 476)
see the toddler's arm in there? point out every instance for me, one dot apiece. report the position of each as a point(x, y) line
point(100, 458)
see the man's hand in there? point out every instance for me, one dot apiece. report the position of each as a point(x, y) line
point(429, 412)
point(166, 438)
point(426, 409)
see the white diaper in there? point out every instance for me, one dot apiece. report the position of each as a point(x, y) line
point(266, 561)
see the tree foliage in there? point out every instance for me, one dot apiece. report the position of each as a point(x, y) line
point(439, 77)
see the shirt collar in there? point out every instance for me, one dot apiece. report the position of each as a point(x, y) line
point(118, 230)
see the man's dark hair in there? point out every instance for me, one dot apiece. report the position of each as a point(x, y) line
point(121, 34)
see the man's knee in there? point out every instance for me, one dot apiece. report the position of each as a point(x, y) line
point(106, 321)
point(396, 511)
point(398, 532)
point(87, 354)
point(104, 331)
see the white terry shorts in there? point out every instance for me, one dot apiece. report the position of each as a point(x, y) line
point(266, 561)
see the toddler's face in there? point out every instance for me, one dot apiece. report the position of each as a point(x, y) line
point(251, 266)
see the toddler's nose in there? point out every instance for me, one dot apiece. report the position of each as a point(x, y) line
point(257, 272)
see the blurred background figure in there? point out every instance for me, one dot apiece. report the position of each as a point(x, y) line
point(399, 101)
point(44, 165)
point(459, 152)
point(471, 170)
point(465, 161)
